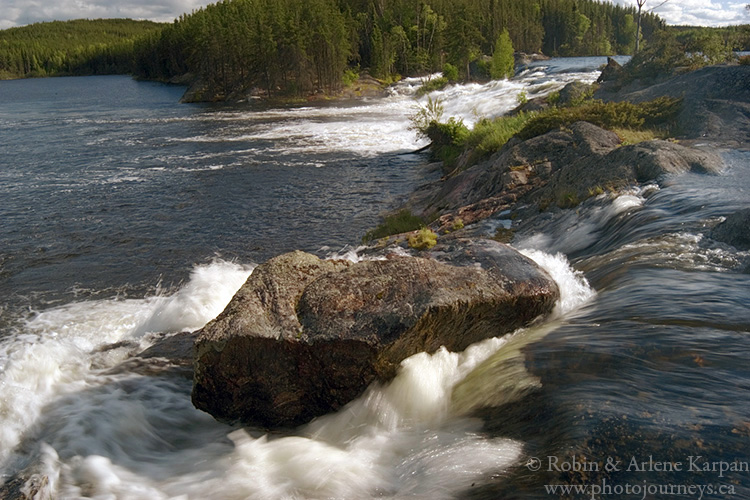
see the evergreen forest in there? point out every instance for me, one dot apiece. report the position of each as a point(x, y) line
point(80, 47)
point(298, 47)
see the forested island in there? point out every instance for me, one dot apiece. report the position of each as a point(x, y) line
point(291, 48)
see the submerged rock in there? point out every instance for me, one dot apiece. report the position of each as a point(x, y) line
point(305, 336)
point(735, 230)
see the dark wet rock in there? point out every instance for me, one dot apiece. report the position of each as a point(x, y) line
point(169, 355)
point(524, 59)
point(303, 336)
point(735, 230)
point(650, 160)
point(533, 104)
point(611, 71)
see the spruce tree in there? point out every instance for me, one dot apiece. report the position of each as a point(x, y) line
point(503, 63)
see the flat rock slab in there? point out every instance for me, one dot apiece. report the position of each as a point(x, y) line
point(305, 336)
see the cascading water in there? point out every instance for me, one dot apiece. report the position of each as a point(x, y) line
point(129, 220)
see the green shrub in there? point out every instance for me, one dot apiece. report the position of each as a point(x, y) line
point(522, 98)
point(448, 139)
point(488, 136)
point(660, 112)
point(350, 76)
point(424, 239)
point(426, 115)
point(450, 133)
point(432, 85)
point(450, 72)
point(401, 222)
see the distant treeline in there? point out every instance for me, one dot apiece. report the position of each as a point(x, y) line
point(80, 47)
point(294, 47)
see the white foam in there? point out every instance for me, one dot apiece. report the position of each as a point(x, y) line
point(574, 230)
point(132, 436)
point(59, 351)
point(208, 291)
point(575, 290)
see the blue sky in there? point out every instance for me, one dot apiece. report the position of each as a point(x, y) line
point(20, 12)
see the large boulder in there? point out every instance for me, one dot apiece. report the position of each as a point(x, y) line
point(305, 336)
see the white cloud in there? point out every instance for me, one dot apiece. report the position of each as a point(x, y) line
point(697, 12)
point(22, 12)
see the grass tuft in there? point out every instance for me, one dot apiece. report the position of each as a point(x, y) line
point(401, 222)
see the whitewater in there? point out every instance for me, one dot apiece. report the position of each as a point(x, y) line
point(125, 227)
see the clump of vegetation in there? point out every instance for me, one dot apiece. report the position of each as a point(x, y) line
point(450, 72)
point(522, 98)
point(450, 75)
point(457, 224)
point(503, 62)
point(634, 136)
point(350, 76)
point(401, 222)
point(425, 115)
point(438, 83)
point(632, 122)
point(744, 60)
point(568, 200)
point(659, 113)
point(504, 235)
point(676, 50)
point(448, 138)
point(424, 239)
point(488, 136)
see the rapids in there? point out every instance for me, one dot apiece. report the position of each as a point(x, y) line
point(127, 216)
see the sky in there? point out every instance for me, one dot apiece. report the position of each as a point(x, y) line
point(21, 12)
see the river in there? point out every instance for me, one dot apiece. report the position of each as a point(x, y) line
point(126, 215)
